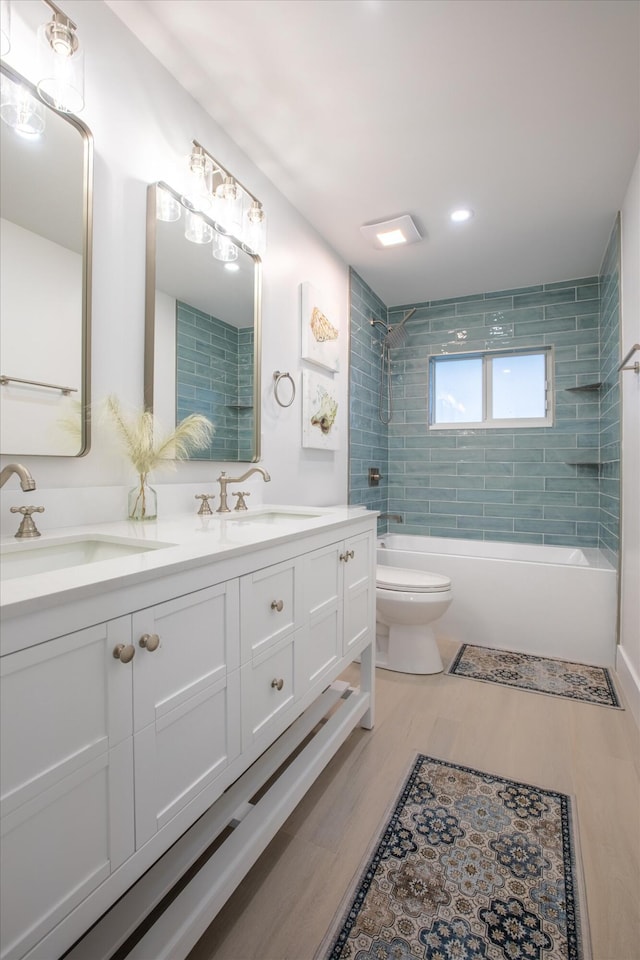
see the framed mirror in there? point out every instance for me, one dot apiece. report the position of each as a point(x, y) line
point(203, 327)
point(46, 175)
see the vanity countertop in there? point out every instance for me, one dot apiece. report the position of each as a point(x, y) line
point(187, 541)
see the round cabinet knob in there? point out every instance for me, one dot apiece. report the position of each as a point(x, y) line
point(277, 684)
point(277, 605)
point(124, 652)
point(149, 641)
point(350, 554)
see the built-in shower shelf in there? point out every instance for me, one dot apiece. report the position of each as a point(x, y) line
point(584, 463)
point(239, 406)
point(584, 386)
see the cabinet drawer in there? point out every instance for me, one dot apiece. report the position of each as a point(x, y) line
point(268, 688)
point(269, 607)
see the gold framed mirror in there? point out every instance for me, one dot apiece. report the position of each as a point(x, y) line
point(46, 184)
point(203, 328)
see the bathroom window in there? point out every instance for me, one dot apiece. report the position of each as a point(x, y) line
point(493, 389)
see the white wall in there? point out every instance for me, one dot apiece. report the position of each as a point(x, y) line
point(628, 660)
point(143, 123)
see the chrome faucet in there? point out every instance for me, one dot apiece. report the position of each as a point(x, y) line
point(26, 480)
point(396, 517)
point(223, 480)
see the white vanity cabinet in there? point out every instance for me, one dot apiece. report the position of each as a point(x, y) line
point(118, 736)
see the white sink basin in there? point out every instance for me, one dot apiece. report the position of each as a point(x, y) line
point(29, 558)
point(270, 516)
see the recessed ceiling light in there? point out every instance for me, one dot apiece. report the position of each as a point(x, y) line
point(391, 233)
point(231, 267)
point(461, 214)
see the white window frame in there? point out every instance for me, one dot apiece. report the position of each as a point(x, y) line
point(488, 423)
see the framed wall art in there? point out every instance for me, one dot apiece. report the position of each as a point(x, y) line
point(319, 328)
point(320, 411)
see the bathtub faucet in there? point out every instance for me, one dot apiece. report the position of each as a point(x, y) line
point(223, 480)
point(396, 517)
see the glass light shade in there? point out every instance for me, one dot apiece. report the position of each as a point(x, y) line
point(197, 230)
point(5, 27)
point(199, 188)
point(256, 228)
point(61, 71)
point(227, 210)
point(167, 207)
point(19, 110)
point(224, 248)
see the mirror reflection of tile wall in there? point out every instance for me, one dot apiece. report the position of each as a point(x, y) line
point(214, 377)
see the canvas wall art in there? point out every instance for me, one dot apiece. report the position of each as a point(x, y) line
point(320, 411)
point(319, 328)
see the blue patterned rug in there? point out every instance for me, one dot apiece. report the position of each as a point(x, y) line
point(558, 678)
point(469, 866)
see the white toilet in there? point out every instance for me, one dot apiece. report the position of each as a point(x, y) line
point(408, 602)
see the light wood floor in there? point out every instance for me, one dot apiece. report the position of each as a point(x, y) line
point(284, 906)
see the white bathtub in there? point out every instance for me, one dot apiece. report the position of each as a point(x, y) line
point(550, 601)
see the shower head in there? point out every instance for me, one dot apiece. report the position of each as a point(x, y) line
point(397, 334)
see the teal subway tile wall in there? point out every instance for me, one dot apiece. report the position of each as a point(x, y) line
point(214, 377)
point(532, 485)
point(610, 394)
point(368, 436)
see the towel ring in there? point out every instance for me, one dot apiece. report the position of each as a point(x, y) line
point(277, 376)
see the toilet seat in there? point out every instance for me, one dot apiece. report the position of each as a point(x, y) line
point(411, 581)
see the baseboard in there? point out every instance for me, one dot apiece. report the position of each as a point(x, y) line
point(630, 683)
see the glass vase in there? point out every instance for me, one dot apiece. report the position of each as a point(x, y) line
point(143, 501)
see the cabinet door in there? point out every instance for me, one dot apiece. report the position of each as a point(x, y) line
point(186, 701)
point(269, 607)
point(66, 775)
point(358, 592)
point(321, 646)
point(268, 688)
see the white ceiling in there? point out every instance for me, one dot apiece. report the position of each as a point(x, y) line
point(360, 110)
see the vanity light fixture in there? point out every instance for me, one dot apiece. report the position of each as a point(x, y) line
point(213, 186)
point(200, 179)
point(61, 71)
point(5, 27)
point(390, 233)
point(257, 229)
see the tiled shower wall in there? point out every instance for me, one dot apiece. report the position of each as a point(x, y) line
point(214, 376)
point(531, 485)
point(610, 394)
point(368, 435)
